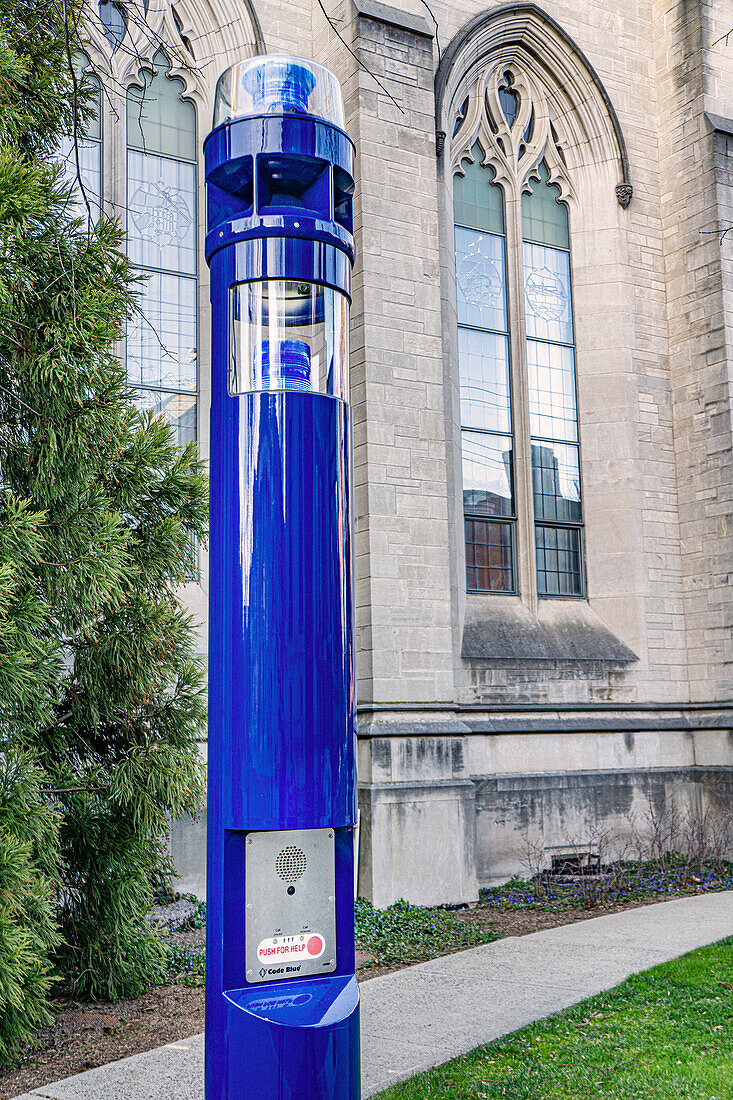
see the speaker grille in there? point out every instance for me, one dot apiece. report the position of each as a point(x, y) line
point(291, 863)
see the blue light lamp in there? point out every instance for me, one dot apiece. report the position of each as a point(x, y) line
point(279, 85)
point(294, 361)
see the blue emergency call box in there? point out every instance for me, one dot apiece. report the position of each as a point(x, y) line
point(282, 1002)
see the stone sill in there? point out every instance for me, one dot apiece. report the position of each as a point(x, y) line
point(500, 628)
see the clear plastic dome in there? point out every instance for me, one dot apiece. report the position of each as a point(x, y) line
point(278, 85)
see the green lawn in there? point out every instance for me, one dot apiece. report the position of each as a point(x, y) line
point(666, 1034)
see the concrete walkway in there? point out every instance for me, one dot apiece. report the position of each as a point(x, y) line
point(424, 1015)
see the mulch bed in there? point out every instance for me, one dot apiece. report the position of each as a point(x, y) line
point(85, 1036)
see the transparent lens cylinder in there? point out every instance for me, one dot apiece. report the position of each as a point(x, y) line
point(289, 335)
point(278, 85)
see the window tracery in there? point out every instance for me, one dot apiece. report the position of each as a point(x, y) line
point(508, 117)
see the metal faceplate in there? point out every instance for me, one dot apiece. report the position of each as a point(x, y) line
point(290, 888)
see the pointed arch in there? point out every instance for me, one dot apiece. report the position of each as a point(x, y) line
point(525, 38)
point(193, 34)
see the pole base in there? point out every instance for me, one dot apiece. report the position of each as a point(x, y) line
point(293, 1041)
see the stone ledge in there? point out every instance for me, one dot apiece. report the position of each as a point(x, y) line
point(503, 629)
point(719, 124)
point(591, 777)
point(410, 788)
point(394, 17)
point(370, 728)
point(554, 720)
point(560, 723)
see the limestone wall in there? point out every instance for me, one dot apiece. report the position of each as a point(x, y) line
point(653, 286)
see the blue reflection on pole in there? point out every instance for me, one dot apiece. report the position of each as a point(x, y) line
point(282, 1001)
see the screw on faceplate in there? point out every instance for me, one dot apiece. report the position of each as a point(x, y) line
point(249, 905)
point(249, 971)
point(330, 835)
point(330, 962)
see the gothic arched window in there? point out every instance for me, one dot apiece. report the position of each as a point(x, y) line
point(162, 243)
point(516, 350)
point(155, 67)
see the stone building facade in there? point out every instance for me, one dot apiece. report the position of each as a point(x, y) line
point(541, 348)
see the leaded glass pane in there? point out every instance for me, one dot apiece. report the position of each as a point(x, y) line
point(480, 280)
point(94, 125)
point(485, 392)
point(90, 170)
point(158, 120)
point(544, 219)
point(488, 488)
point(89, 146)
point(552, 407)
point(177, 408)
point(489, 556)
point(460, 116)
point(161, 204)
point(477, 202)
point(547, 295)
point(556, 482)
point(114, 22)
point(509, 101)
point(161, 340)
point(559, 561)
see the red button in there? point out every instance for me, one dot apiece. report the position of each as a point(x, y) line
point(315, 945)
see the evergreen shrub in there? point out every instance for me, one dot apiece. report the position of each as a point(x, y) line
point(101, 698)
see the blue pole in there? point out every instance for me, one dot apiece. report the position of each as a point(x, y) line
point(282, 1002)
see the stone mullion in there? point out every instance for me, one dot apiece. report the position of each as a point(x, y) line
point(525, 538)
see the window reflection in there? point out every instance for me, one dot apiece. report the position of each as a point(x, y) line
point(556, 483)
point(161, 339)
point(547, 294)
point(552, 409)
point(161, 212)
point(179, 409)
point(485, 392)
point(487, 474)
point(480, 279)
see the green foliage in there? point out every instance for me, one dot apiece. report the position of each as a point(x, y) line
point(198, 920)
point(101, 700)
point(186, 965)
point(663, 1035)
point(405, 933)
point(28, 850)
point(36, 101)
point(620, 883)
